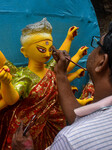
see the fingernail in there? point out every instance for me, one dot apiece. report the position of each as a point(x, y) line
point(82, 47)
point(71, 28)
point(8, 70)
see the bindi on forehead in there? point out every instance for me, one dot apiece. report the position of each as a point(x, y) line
point(47, 43)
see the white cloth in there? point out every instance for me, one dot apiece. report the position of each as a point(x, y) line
point(92, 129)
point(90, 108)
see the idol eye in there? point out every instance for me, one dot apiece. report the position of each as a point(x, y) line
point(41, 49)
point(51, 49)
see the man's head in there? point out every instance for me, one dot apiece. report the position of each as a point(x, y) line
point(99, 62)
point(37, 41)
point(107, 44)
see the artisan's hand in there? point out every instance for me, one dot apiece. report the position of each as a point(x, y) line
point(82, 51)
point(72, 32)
point(5, 75)
point(62, 62)
point(65, 94)
point(20, 142)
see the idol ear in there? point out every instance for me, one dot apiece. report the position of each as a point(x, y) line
point(23, 51)
point(102, 63)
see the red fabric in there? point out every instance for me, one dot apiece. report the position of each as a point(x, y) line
point(50, 119)
point(88, 91)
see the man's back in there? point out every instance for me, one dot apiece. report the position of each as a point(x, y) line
point(91, 132)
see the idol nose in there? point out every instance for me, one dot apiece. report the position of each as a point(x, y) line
point(48, 54)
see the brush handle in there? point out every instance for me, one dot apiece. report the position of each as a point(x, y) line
point(75, 63)
point(54, 50)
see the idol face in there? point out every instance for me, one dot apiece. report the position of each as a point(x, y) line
point(40, 51)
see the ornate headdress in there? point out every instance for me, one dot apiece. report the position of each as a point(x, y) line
point(42, 28)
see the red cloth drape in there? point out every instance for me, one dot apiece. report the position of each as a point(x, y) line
point(43, 100)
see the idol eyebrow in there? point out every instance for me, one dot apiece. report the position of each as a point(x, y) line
point(41, 46)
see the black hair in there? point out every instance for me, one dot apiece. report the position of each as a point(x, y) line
point(107, 47)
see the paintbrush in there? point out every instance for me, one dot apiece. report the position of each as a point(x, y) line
point(54, 50)
point(30, 124)
point(75, 63)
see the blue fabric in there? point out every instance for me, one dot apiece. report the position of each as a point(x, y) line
point(16, 14)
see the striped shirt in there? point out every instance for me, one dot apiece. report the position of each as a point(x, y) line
point(90, 132)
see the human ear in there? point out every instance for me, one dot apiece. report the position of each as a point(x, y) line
point(102, 63)
point(23, 51)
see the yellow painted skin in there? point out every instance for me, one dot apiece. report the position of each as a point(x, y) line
point(38, 53)
point(81, 52)
point(2, 102)
point(79, 73)
point(38, 50)
point(9, 94)
point(2, 59)
point(72, 32)
point(84, 101)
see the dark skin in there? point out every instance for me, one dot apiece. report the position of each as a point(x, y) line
point(67, 100)
point(98, 68)
point(20, 142)
point(100, 73)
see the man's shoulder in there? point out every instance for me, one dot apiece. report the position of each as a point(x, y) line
point(89, 129)
point(69, 129)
